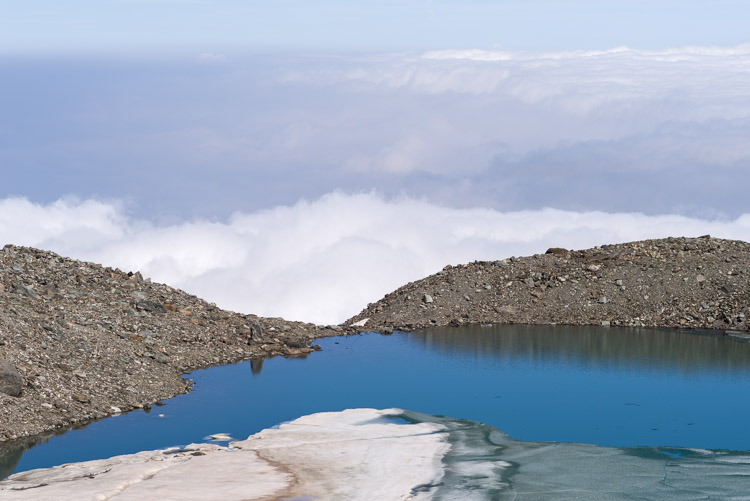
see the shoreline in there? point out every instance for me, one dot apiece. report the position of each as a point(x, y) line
point(89, 341)
point(80, 342)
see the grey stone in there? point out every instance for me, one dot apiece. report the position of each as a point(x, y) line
point(602, 300)
point(256, 332)
point(700, 279)
point(506, 310)
point(427, 298)
point(295, 343)
point(529, 281)
point(10, 380)
point(81, 398)
point(26, 291)
point(152, 306)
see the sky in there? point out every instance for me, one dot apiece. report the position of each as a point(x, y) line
point(144, 26)
point(302, 159)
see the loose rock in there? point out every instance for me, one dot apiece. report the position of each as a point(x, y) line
point(10, 380)
point(645, 283)
point(98, 339)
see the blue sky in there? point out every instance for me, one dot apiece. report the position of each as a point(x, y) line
point(145, 26)
point(261, 154)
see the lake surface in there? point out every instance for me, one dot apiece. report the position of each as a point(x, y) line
point(621, 388)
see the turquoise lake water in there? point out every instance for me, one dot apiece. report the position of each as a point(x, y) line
point(621, 388)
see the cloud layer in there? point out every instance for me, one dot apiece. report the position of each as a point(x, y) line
point(617, 130)
point(323, 260)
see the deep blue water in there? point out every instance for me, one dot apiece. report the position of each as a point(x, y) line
point(603, 386)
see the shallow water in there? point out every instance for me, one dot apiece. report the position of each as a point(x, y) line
point(613, 387)
point(484, 463)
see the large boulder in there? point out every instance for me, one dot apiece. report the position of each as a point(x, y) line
point(10, 379)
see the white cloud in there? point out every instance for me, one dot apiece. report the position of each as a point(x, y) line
point(210, 57)
point(453, 112)
point(322, 261)
point(615, 130)
point(607, 75)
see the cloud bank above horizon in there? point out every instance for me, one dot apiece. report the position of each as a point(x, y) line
point(323, 260)
point(618, 130)
point(308, 185)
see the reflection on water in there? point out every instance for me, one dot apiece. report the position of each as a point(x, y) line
point(11, 452)
point(9, 457)
point(643, 349)
point(256, 365)
point(604, 386)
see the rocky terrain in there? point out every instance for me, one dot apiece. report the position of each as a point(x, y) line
point(79, 341)
point(696, 283)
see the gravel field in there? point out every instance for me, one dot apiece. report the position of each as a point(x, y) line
point(79, 341)
point(695, 283)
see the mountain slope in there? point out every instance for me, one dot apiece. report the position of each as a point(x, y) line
point(698, 283)
point(79, 341)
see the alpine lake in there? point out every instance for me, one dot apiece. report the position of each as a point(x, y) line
point(664, 396)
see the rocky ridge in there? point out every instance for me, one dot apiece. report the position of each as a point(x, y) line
point(80, 341)
point(695, 283)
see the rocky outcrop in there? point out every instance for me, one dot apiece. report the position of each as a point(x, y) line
point(79, 341)
point(696, 283)
point(10, 379)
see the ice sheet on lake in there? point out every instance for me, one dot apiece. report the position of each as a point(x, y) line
point(353, 454)
point(367, 454)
